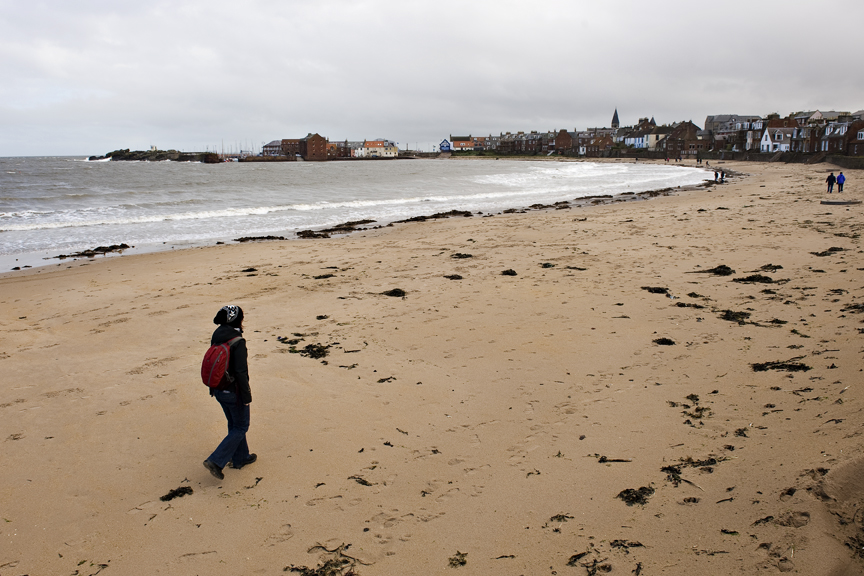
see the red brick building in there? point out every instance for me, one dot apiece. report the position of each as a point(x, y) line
point(338, 150)
point(313, 147)
point(683, 142)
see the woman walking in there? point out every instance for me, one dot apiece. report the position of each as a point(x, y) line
point(234, 394)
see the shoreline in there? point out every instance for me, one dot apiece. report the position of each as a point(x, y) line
point(31, 261)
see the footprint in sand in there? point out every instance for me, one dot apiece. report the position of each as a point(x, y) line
point(794, 519)
point(447, 495)
point(386, 520)
point(284, 534)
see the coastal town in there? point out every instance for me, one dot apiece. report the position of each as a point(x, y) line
point(813, 133)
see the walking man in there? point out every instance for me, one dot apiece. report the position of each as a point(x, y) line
point(831, 180)
point(841, 179)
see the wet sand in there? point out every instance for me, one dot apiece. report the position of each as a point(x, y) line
point(491, 424)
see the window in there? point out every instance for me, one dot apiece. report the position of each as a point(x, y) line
point(861, 135)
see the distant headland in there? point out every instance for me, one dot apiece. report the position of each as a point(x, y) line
point(160, 155)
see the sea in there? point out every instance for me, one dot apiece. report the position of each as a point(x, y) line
point(50, 206)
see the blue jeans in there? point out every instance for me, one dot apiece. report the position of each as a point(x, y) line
point(233, 448)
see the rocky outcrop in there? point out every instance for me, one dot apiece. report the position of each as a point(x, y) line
point(159, 155)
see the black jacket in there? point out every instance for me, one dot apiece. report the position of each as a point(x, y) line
point(238, 366)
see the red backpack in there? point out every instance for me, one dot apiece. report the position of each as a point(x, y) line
point(214, 368)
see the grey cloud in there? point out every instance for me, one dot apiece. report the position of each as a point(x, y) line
point(88, 77)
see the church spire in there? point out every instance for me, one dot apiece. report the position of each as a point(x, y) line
point(615, 119)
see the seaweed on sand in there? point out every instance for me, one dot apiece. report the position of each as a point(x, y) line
point(176, 493)
point(664, 342)
point(656, 289)
point(786, 365)
point(315, 351)
point(854, 308)
point(673, 471)
point(395, 292)
point(257, 238)
point(738, 317)
point(632, 496)
point(625, 544)
point(464, 213)
point(829, 251)
point(755, 278)
point(90, 253)
point(458, 559)
point(721, 270)
point(335, 563)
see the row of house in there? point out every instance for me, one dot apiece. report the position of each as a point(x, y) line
point(676, 140)
point(808, 132)
point(841, 133)
point(315, 147)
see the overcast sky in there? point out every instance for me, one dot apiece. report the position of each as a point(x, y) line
point(90, 76)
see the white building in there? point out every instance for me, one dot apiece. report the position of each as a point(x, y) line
point(776, 140)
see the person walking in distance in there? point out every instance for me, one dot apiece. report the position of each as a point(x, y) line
point(831, 180)
point(233, 394)
point(841, 179)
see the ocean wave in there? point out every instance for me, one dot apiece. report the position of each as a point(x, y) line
point(137, 205)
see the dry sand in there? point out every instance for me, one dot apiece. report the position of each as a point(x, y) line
point(470, 416)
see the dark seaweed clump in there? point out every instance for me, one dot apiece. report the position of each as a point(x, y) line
point(625, 544)
point(464, 213)
point(176, 493)
point(453, 277)
point(508, 272)
point(829, 251)
point(689, 305)
point(664, 342)
point(460, 255)
point(312, 234)
point(787, 366)
point(395, 292)
point(656, 289)
point(632, 496)
point(257, 238)
point(344, 228)
point(547, 265)
point(731, 316)
point(90, 253)
point(755, 278)
point(315, 351)
point(458, 559)
point(721, 270)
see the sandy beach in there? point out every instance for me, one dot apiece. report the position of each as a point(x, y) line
point(612, 405)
